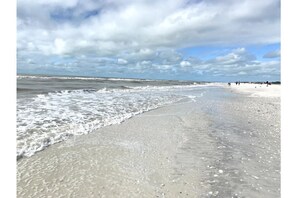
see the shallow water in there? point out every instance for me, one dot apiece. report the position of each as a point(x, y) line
point(51, 109)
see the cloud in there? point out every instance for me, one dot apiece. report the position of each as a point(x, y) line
point(59, 46)
point(185, 63)
point(237, 63)
point(272, 54)
point(109, 27)
point(237, 56)
point(122, 61)
point(142, 34)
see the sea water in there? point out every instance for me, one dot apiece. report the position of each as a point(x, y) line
point(51, 109)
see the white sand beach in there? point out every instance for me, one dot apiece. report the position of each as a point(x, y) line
point(223, 144)
point(258, 90)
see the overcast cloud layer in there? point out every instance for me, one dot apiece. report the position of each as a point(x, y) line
point(144, 38)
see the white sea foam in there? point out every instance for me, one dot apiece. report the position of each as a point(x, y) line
point(50, 118)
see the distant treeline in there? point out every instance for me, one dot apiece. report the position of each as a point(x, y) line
point(276, 82)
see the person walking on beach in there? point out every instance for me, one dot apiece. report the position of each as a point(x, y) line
point(267, 83)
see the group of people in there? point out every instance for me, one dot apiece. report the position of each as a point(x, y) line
point(238, 83)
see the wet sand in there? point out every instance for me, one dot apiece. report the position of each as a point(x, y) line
point(224, 144)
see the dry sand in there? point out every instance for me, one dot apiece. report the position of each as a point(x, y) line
point(223, 144)
point(258, 90)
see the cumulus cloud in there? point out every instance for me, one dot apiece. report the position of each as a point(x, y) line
point(141, 33)
point(237, 56)
point(114, 26)
point(237, 63)
point(185, 63)
point(122, 61)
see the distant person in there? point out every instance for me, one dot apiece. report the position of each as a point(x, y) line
point(229, 84)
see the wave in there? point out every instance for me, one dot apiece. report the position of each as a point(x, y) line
point(56, 116)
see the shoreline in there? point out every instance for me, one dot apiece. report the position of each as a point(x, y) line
point(183, 149)
point(182, 101)
point(140, 147)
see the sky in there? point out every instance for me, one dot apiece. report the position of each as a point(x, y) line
point(203, 40)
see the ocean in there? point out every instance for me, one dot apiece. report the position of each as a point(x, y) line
point(51, 109)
